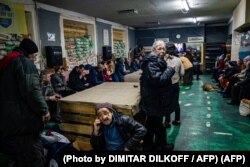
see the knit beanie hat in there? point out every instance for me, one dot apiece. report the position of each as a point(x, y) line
point(104, 105)
point(29, 46)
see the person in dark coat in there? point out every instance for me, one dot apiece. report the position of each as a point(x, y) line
point(92, 78)
point(59, 83)
point(120, 69)
point(77, 78)
point(51, 97)
point(114, 131)
point(135, 64)
point(23, 108)
point(156, 90)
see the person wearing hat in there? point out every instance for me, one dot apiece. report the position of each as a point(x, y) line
point(114, 131)
point(23, 108)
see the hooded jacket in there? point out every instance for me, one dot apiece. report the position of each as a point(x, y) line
point(156, 86)
point(22, 103)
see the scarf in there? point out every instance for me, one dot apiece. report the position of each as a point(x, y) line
point(4, 62)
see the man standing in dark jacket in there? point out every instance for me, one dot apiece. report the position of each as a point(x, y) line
point(114, 131)
point(23, 108)
point(156, 89)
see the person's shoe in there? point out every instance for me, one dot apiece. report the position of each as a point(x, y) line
point(168, 147)
point(176, 123)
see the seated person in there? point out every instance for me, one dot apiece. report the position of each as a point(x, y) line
point(240, 89)
point(109, 72)
point(127, 63)
point(236, 77)
point(114, 131)
point(229, 72)
point(93, 77)
point(77, 78)
point(135, 64)
point(58, 82)
point(100, 67)
point(120, 69)
point(50, 96)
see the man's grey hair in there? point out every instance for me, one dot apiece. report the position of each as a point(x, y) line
point(158, 43)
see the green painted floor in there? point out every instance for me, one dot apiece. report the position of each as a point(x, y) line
point(208, 122)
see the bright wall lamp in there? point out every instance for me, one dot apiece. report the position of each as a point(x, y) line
point(184, 6)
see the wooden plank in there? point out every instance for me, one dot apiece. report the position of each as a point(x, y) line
point(78, 118)
point(124, 111)
point(123, 96)
point(82, 144)
point(118, 35)
point(77, 128)
point(77, 107)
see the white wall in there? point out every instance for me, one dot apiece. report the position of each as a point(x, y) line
point(239, 18)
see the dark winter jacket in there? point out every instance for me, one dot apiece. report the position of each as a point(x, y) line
point(230, 72)
point(131, 131)
point(156, 87)
point(120, 70)
point(92, 77)
point(22, 103)
point(58, 82)
point(134, 66)
point(75, 82)
point(47, 91)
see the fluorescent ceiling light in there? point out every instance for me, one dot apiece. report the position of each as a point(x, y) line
point(194, 20)
point(184, 5)
point(128, 11)
point(154, 22)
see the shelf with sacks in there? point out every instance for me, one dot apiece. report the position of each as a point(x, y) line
point(119, 43)
point(79, 43)
point(8, 42)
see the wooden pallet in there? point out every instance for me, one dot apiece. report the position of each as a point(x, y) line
point(78, 110)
